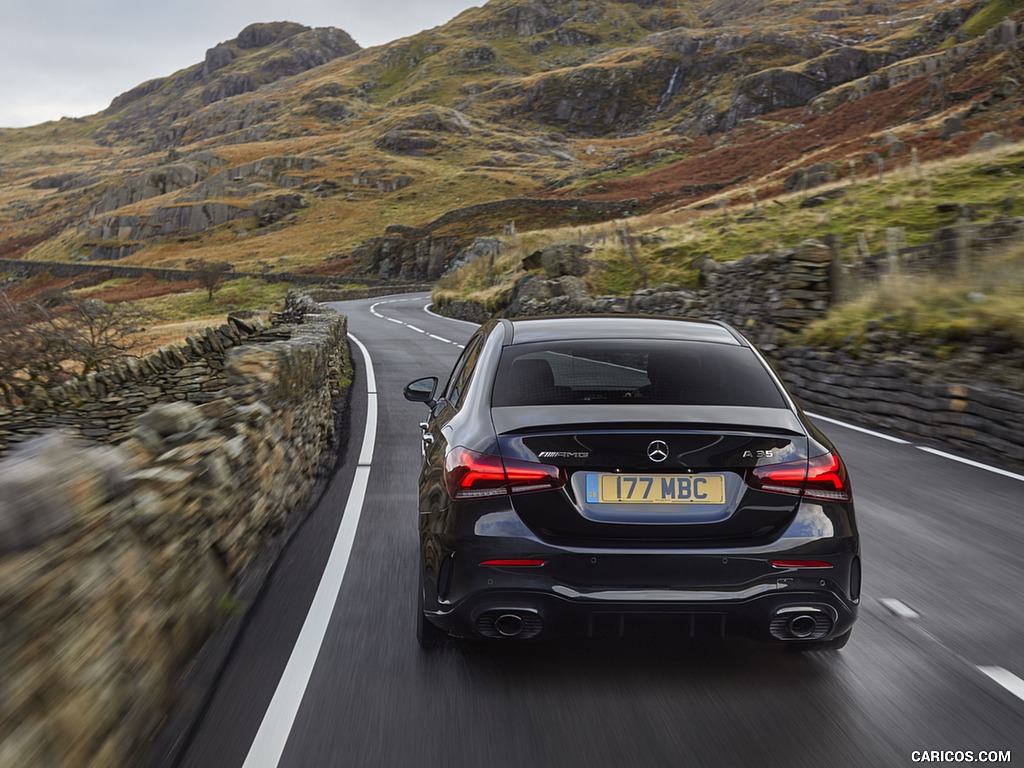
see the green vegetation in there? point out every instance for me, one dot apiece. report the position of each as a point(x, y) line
point(993, 13)
point(244, 293)
point(986, 304)
point(670, 246)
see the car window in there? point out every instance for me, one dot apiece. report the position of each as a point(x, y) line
point(462, 374)
point(633, 371)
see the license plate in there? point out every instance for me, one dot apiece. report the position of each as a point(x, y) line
point(655, 489)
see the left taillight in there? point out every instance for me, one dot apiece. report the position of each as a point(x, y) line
point(469, 475)
point(822, 477)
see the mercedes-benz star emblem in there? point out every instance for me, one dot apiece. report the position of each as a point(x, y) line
point(657, 450)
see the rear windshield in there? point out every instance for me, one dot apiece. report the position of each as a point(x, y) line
point(625, 371)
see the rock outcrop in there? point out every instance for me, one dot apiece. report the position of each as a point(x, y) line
point(261, 54)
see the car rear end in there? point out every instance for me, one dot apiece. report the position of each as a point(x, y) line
point(636, 477)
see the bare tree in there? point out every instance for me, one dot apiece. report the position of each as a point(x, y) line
point(92, 334)
point(210, 274)
point(43, 343)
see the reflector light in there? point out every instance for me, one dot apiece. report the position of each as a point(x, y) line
point(800, 564)
point(469, 475)
point(515, 563)
point(822, 477)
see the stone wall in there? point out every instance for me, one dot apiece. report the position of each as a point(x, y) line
point(897, 397)
point(104, 405)
point(116, 562)
point(764, 295)
point(28, 267)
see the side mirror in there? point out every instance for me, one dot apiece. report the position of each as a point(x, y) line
point(422, 391)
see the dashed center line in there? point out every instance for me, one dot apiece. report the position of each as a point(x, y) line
point(900, 608)
point(1008, 680)
point(410, 326)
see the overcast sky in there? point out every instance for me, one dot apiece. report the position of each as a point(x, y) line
point(72, 57)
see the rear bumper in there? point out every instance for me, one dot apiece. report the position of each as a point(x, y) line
point(547, 614)
point(746, 591)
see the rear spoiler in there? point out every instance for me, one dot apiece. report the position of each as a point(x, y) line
point(549, 418)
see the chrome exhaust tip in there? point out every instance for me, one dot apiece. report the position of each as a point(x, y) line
point(508, 625)
point(802, 626)
point(802, 622)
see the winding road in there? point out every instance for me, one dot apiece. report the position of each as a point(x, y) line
point(328, 672)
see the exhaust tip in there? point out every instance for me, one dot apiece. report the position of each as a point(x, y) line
point(801, 622)
point(508, 625)
point(802, 626)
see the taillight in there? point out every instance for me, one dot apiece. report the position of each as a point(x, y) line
point(822, 477)
point(470, 475)
point(827, 479)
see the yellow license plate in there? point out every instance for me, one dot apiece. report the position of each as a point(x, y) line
point(655, 489)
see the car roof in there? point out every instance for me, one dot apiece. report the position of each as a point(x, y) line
point(619, 327)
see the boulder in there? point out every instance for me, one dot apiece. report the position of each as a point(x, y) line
point(563, 259)
point(952, 125)
point(812, 176)
point(989, 141)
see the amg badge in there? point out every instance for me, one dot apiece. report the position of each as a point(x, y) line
point(563, 454)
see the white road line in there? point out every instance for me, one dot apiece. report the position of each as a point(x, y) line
point(900, 608)
point(429, 311)
point(1008, 680)
point(926, 449)
point(978, 464)
point(268, 746)
point(375, 313)
point(890, 438)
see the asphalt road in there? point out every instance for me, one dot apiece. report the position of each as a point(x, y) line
point(343, 683)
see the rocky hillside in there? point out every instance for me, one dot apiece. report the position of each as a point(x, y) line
point(289, 149)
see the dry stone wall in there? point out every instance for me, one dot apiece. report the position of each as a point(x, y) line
point(983, 420)
point(764, 295)
point(104, 405)
point(116, 562)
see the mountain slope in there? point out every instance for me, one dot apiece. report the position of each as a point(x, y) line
point(290, 149)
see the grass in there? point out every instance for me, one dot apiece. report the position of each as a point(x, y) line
point(944, 312)
point(947, 311)
point(993, 13)
point(244, 293)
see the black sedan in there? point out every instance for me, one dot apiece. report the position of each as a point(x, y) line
point(610, 475)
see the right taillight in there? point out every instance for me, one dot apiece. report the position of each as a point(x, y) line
point(469, 475)
point(821, 477)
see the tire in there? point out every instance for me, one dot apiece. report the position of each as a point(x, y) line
point(428, 635)
point(813, 646)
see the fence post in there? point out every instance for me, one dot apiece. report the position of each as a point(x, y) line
point(893, 237)
point(627, 241)
point(963, 245)
point(862, 245)
point(835, 271)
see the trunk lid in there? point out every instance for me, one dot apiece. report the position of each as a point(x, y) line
point(653, 476)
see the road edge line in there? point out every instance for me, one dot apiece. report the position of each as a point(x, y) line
point(272, 736)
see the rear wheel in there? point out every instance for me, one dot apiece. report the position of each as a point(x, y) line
point(428, 635)
point(835, 644)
